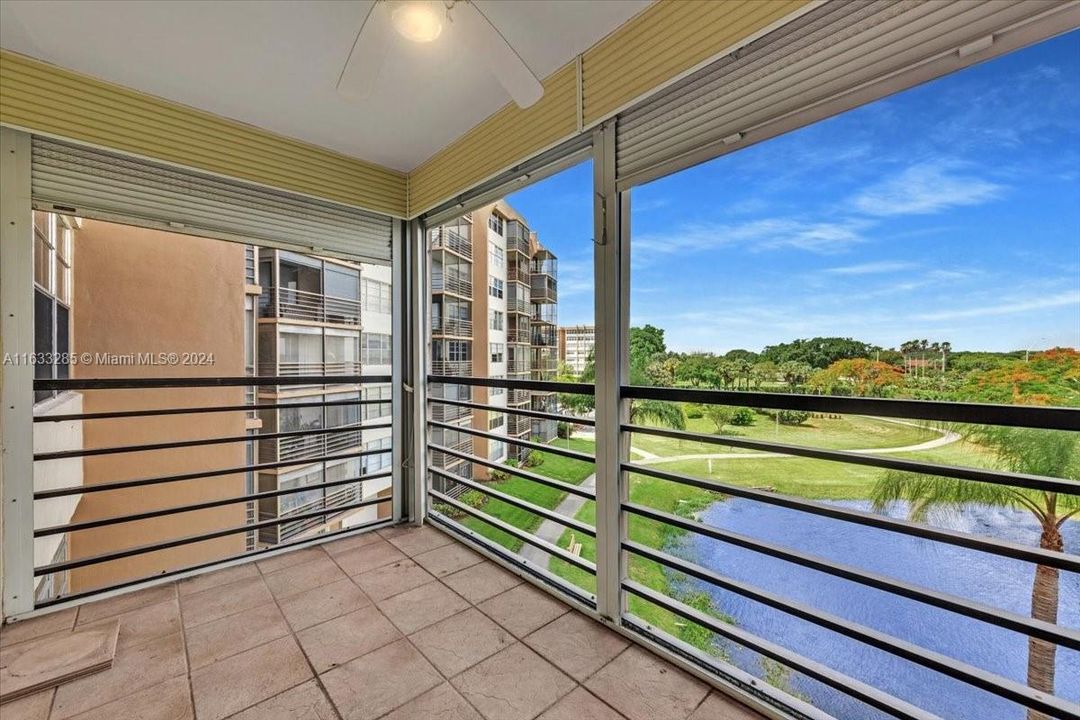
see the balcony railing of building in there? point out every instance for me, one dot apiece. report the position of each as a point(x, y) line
point(546, 336)
point(307, 447)
point(543, 289)
point(516, 397)
point(517, 238)
point(514, 536)
point(328, 503)
point(127, 565)
point(345, 369)
point(457, 368)
point(544, 263)
point(518, 271)
point(445, 238)
point(289, 304)
point(518, 336)
point(450, 413)
point(517, 365)
point(452, 282)
point(562, 567)
point(546, 314)
point(454, 327)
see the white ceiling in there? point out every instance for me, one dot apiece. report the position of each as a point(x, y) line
point(276, 64)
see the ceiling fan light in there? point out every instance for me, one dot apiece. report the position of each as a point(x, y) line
point(416, 21)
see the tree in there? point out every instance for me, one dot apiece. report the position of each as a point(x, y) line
point(720, 415)
point(663, 370)
point(657, 412)
point(1053, 453)
point(860, 377)
point(819, 352)
point(645, 343)
point(763, 372)
point(698, 369)
point(795, 372)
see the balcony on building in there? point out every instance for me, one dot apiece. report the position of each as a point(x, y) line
point(518, 237)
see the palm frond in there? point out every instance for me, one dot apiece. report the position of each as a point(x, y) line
point(657, 412)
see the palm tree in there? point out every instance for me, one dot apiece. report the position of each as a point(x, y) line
point(1022, 450)
point(657, 412)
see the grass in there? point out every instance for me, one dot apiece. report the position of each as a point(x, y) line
point(848, 432)
point(553, 466)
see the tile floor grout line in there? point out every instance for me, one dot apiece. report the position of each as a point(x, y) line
point(187, 654)
point(314, 674)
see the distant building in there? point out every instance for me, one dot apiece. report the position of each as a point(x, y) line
point(576, 345)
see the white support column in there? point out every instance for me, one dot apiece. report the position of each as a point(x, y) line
point(398, 310)
point(611, 286)
point(419, 335)
point(16, 387)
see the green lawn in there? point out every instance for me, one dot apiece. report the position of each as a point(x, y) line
point(849, 432)
point(554, 466)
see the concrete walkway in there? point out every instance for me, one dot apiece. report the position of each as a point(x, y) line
point(550, 530)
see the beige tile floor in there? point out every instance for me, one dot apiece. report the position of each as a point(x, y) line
point(403, 624)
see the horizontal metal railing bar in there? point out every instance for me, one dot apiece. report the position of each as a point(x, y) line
point(553, 550)
point(190, 382)
point(515, 411)
point(1062, 561)
point(196, 410)
point(517, 502)
point(952, 667)
point(543, 447)
point(997, 477)
point(140, 482)
point(1068, 637)
point(846, 684)
point(307, 541)
point(190, 539)
point(524, 474)
point(541, 385)
point(1032, 416)
point(115, 449)
point(176, 510)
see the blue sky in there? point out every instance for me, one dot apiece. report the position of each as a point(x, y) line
point(947, 212)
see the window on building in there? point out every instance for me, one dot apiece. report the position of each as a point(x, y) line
point(375, 296)
point(497, 420)
point(496, 320)
point(496, 450)
point(496, 287)
point(497, 390)
point(53, 236)
point(496, 256)
point(380, 461)
point(498, 352)
point(375, 349)
point(376, 410)
point(496, 223)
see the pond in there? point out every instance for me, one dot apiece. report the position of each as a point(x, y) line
point(994, 581)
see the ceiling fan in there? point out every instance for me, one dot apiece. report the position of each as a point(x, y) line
point(422, 21)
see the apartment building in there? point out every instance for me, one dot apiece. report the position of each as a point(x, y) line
point(576, 344)
point(321, 316)
point(493, 314)
point(108, 291)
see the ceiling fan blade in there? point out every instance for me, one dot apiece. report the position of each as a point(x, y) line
point(361, 71)
point(508, 67)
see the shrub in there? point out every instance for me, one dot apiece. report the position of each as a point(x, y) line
point(563, 430)
point(498, 476)
point(473, 498)
point(742, 417)
point(533, 459)
point(792, 417)
point(694, 411)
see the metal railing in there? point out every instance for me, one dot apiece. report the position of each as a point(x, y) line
point(543, 289)
point(529, 539)
point(544, 313)
point(448, 239)
point(286, 303)
point(456, 283)
point(455, 327)
point(305, 519)
point(906, 410)
point(457, 368)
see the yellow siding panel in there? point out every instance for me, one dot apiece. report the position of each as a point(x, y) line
point(667, 39)
point(499, 142)
point(44, 98)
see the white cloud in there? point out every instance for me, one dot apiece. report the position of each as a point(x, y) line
point(1062, 299)
point(872, 268)
point(924, 189)
point(756, 235)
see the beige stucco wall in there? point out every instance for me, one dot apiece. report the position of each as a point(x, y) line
point(139, 290)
